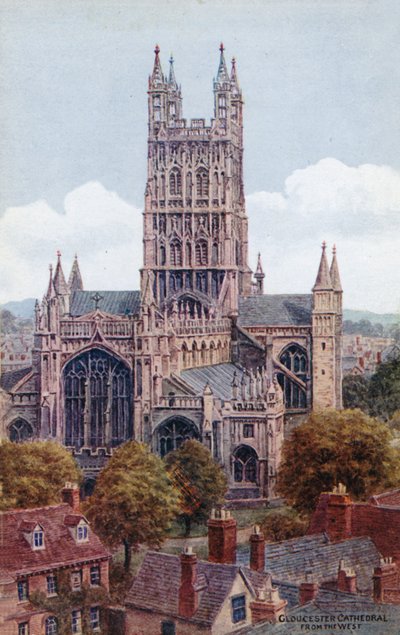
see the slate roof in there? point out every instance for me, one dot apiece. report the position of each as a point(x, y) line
point(289, 560)
point(391, 353)
point(338, 608)
point(113, 302)
point(218, 376)
point(156, 587)
point(10, 378)
point(18, 558)
point(275, 310)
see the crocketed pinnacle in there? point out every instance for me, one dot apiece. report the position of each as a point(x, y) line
point(323, 281)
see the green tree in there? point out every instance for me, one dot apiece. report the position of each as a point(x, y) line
point(384, 390)
point(355, 392)
point(33, 474)
point(334, 447)
point(134, 500)
point(282, 525)
point(200, 480)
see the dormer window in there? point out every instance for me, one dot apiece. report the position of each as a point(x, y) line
point(38, 539)
point(82, 534)
point(33, 534)
point(78, 527)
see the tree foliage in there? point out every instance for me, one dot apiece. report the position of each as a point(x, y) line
point(33, 474)
point(334, 447)
point(134, 500)
point(282, 525)
point(200, 480)
point(378, 396)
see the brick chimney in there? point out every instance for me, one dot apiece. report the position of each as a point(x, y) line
point(338, 514)
point(379, 357)
point(347, 579)
point(386, 576)
point(221, 537)
point(257, 550)
point(188, 596)
point(308, 591)
point(361, 362)
point(268, 606)
point(70, 495)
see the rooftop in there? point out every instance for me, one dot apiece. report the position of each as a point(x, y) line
point(156, 587)
point(113, 302)
point(275, 310)
point(17, 556)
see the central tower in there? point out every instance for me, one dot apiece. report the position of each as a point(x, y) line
point(195, 225)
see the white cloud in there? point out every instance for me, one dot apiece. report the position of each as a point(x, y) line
point(356, 208)
point(97, 224)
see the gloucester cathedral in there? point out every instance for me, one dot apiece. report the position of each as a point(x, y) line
point(200, 351)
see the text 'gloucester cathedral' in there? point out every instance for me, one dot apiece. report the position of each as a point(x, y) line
point(200, 352)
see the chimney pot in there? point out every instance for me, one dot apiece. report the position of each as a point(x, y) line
point(70, 495)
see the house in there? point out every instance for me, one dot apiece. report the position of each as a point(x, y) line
point(177, 595)
point(46, 553)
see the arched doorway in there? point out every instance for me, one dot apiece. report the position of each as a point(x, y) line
point(20, 430)
point(294, 357)
point(245, 465)
point(172, 433)
point(98, 397)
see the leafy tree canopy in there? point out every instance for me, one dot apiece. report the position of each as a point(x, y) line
point(282, 525)
point(33, 474)
point(378, 396)
point(134, 500)
point(334, 447)
point(200, 480)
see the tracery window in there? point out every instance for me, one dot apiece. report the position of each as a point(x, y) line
point(295, 359)
point(173, 433)
point(176, 253)
point(201, 253)
point(97, 390)
point(175, 182)
point(20, 430)
point(245, 465)
point(202, 183)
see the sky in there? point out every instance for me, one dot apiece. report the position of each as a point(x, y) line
point(320, 79)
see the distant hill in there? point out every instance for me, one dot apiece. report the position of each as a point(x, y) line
point(22, 309)
point(374, 318)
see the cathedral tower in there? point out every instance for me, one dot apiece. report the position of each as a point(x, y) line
point(195, 225)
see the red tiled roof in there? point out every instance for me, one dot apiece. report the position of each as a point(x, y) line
point(18, 558)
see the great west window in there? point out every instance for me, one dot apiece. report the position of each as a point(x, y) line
point(98, 411)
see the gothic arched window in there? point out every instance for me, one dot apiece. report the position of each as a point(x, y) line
point(214, 254)
point(215, 186)
point(175, 253)
point(175, 182)
point(98, 410)
point(201, 253)
point(51, 625)
point(162, 255)
point(188, 254)
point(295, 359)
point(174, 432)
point(245, 465)
point(202, 183)
point(20, 430)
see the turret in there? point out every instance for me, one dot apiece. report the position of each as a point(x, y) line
point(222, 89)
point(158, 94)
point(325, 390)
point(75, 279)
point(338, 305)
point(174, 96)
point(259, 277)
